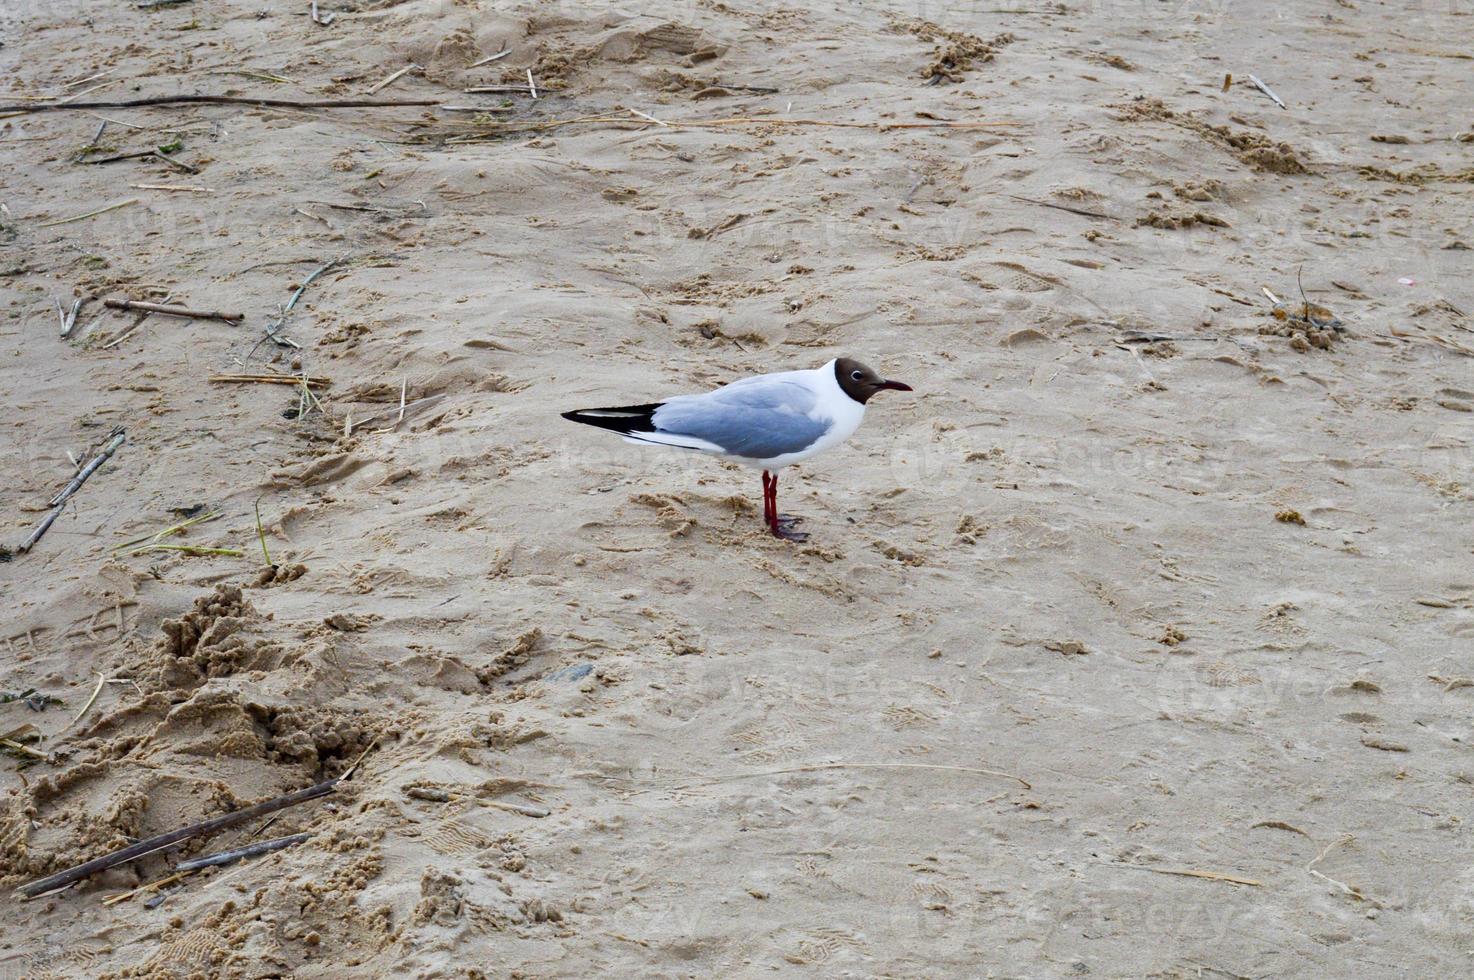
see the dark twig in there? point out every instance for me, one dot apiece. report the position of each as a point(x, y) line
point(91, 144)
point(1063, 207)
point(493, 57)
point(145, 154)
point(121, 156)
point(176, 164)
point(173, 837)
point(59, 502)
point(221, 100)
point(235, 854)
point(759, 89)
point(504, 90)
point(184, 311)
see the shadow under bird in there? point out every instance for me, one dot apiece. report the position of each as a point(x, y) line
point(767, 422)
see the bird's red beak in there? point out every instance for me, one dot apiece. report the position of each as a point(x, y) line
point(893, 386)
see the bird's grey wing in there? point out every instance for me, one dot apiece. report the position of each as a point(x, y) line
point(758, 421)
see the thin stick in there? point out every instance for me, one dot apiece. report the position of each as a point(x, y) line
point(1267, 91)
point(1063, 207)
point(498, 126)
point(189, 549)
point(101, 681)
point(94, 141)
point(394, 77)
point(308, 398)
point(176, 164)
point(225, 100)
point(117, 122)
point(261, 75)
point(1187, 873)
point(152, 885)
point(25, 749)
point(235, 854)
point(272, 328)
point(498, 90)
point(842, 123)
point(866, 765)
point(89, 214)
point(403, 388)
point(350, 427)
point(1443, 342)
point(132, 328)
point(184, 311)
point(1351, 890)
point(643, 115)
point(146, 154)
point(522, 808)
point(262, 535)
point(759, 89)
point(59, 502)
point(348, 773)
point(490, 58)
point(166, 187)
point(262, 829)
point(90, 78)
point(469, 108)
point(271, 379)
point(308, 281)
point(531, 85)
point(85, 91)
point(168, 531)
point(148, 846)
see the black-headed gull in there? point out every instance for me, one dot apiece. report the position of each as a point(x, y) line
point(766, 422)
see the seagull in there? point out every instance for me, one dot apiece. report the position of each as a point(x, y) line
point(767, 422)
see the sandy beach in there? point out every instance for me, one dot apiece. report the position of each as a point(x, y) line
point(1138, 641)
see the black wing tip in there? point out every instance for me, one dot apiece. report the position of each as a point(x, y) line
point(623, 419)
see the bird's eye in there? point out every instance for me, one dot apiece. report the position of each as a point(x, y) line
point(856, 375)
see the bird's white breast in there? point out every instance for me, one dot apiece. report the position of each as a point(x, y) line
point(843, 413)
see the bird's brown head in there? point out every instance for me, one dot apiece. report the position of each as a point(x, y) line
point(860, 383)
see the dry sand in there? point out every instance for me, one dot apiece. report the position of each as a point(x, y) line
point(1199, 577)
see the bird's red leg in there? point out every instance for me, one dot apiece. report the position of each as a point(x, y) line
point(767, 499)
point(782, 527)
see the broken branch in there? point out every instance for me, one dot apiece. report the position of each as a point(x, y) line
point(59, 502)
point(173, 837)
point(128, 304)
point(225, 100)
point(250, 850)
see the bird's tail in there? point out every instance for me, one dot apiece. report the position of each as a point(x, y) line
point(625, 420)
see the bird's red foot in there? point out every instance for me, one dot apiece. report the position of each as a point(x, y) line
point(783, 528)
